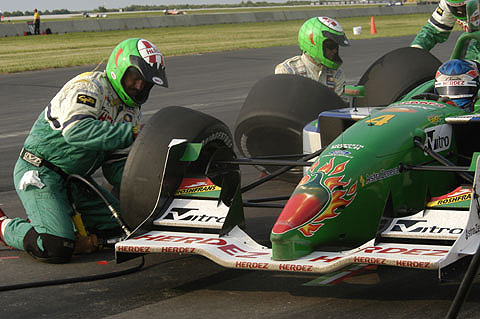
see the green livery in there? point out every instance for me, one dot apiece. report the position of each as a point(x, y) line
point(360, 176)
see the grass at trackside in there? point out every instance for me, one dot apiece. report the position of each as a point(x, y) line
point(143, 14)
point(28, 53)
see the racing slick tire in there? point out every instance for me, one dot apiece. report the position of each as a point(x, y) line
point(274, 114)
point(395, 74)
point(143, 170)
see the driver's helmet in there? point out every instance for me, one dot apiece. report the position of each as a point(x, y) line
point(458, 8)
point(319, 33)
point(459, 81)
point(145, 58)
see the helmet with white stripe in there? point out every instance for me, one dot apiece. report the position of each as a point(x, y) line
point(138, 55)
point(459, 81)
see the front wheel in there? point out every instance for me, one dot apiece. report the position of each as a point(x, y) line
point(143, 171)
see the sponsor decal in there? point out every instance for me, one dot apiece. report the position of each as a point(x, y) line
point(105, 117)
point(355, 147)
point(438, 138)
point(219, 243)
point(133, 249)
point(157, 80)
point(421, 104)
point(127, 118)
point(382, 174)
point(326, 259)
point(439, 11)
point(178, 250)
point(412, 264)
point(32, 159)
point(405, 251)
point(330, 81)
point(251, 265)
point(400, 110)
point(183, 239)
point(451, 82)
point(415, 226)
point(192, 215)
point(191, 186)
point(235, 251)
point(458, 195)
point(339, 153)
point(86, 99)
point(369, 260)
point(200, 189)
point(469, 232)
point(293, 267)
point(362, 181)
point(435, 119)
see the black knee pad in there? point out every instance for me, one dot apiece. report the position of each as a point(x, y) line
point(57, 250)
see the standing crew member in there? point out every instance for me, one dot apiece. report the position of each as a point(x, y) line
point(319, 39)
point(91, 118)
point(36, 21)
point(438, 28)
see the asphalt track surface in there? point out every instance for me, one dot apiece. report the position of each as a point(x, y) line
point(171, 286)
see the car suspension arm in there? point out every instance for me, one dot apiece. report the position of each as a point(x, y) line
point(260, 202)
point(441, 159)
point(278, 172)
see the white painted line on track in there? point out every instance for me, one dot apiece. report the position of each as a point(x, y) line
point(14, 134)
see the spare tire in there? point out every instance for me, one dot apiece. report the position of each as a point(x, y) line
point(395, 74)
point(143, 171)
point(274, 113)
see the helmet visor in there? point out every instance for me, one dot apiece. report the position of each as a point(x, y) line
point(330, 51)
point(153, 73)
point(456, 92)
point(340, 39)
point(458, 11)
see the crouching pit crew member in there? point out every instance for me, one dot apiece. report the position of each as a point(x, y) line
point(85, 127)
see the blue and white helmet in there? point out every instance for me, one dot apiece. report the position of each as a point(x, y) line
point(459, 81)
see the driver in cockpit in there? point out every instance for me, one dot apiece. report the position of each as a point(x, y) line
point(458, 80)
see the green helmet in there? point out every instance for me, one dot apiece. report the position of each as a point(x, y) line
point(473, 16)
point(144, 57)
point(458, 8)
point(321, 33)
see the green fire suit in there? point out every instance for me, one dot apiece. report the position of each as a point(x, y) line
point(438, 29)
point(81, 130)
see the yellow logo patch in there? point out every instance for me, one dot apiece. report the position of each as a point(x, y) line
point(87, 100)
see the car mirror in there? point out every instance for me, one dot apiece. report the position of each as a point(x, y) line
point(355, 90)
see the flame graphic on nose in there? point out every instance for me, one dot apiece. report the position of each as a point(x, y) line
point(308, 210)
point(337, 201)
